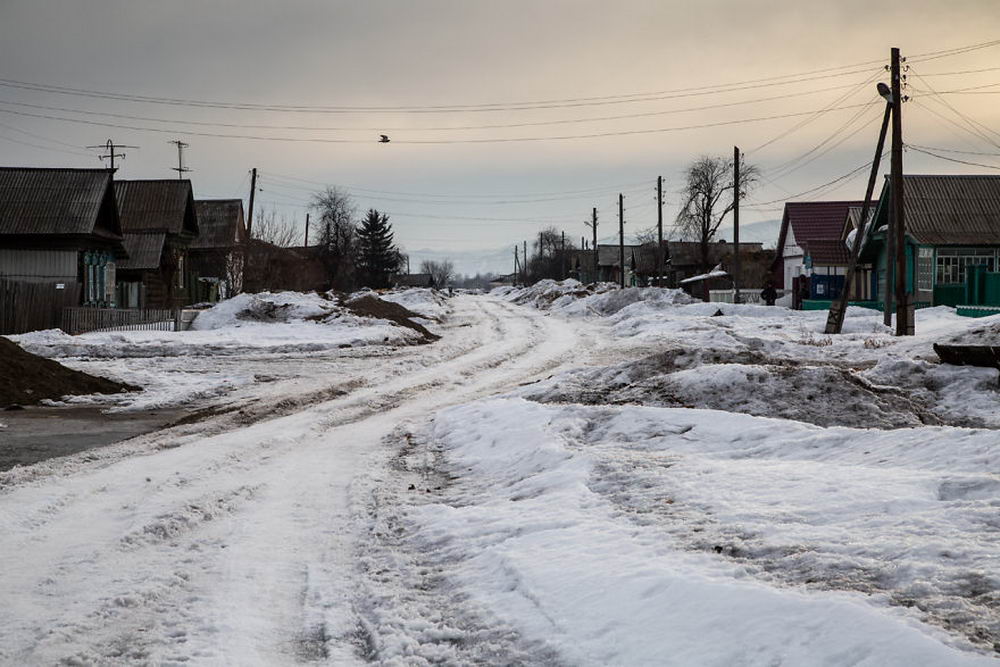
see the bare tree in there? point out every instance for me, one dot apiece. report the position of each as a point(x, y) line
point(646, 236)
point(441, 271)
point(551, 259)
point(336, 235)
point(708, 198)
point(275, 228)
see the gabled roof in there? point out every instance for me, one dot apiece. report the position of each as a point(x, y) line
point(948, 210)
point(58, 201)
point(813, 221)
point(220, 223)
point(607, 255)
point(157, 206)
point(144, 250)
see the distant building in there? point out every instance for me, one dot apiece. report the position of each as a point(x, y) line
point(60, 244)
point(159, 223)
point(218, 254)
point(684, 259)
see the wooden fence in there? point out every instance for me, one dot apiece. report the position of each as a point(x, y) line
point(80, 320)
point(28, 306)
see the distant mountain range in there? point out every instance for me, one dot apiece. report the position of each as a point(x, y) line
point(501, 260)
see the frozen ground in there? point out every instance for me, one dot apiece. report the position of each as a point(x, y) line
point(570, 475)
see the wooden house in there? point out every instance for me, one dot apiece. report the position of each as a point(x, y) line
point(684, 259)
point(159, 223)
point(952, 232)
point(60, 243)
point(216, 257)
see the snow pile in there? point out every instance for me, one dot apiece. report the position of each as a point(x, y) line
point(428, 303)
point(571, 297)
point(287, 322)
point(660, 536)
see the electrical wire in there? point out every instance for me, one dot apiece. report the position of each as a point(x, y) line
point(951, 159)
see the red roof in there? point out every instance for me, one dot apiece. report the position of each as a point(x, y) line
point(827, 252)
point(817, 220)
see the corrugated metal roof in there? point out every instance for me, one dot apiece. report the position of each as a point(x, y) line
point(818, 220)
point(158, 205)
point(827, 252)
point(220, 223)
point(52, 201)
point(144, 250)
point(953, 210)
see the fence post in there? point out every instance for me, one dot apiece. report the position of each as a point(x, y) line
point(177, 319)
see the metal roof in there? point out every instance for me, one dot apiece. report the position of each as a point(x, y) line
point(144, 250)
point(56, 201)
point(951, 210)
point(220, 223)
point(827, 252)
point(156, 205)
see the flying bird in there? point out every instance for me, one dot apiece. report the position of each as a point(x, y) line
point(383, 139)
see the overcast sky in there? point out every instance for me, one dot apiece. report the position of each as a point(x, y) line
point(455, 197)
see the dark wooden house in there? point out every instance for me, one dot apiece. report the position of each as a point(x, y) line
point(159, 223)
point(217, 256)
point(60, 244)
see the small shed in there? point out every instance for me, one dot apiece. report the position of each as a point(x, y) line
point(218, 254)
point(159, 223)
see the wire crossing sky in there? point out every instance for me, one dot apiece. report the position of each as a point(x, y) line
point(504, 118)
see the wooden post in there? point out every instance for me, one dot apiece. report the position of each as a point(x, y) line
point(835, 319)
point(660, 264)
point(597, 256)
point(253, 190)
point(736, 225)
point(306, 244)
point(621, 239)
point(903, 325)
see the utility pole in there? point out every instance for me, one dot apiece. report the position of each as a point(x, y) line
point(593, 226)
point(659, 232)
point(253, 190)
point(835, 319)
point(306, 244)
point(621, 239)
point(524, 263)
point(517, 268)
point(562, 254)
point(180, 168)
point(904, 327)
point(111, 147)
point(736, 224)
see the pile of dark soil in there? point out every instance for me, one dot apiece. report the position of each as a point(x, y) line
point(27, 379)
point(372, 306)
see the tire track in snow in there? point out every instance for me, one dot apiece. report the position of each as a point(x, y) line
point(247, 540)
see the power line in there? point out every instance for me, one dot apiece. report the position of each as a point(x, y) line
point(952, 150)
point(951, 159)
point(439, 128)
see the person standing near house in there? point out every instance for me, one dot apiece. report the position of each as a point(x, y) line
point(803, 291)
point(769, 294)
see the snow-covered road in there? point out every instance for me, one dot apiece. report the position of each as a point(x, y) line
point(220, 542)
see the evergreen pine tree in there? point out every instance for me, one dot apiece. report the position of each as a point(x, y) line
point(377, 257)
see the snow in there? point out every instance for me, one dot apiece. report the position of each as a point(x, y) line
point(572, 475)
point(588, 526)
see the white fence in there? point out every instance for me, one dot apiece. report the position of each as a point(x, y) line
point(746, 295)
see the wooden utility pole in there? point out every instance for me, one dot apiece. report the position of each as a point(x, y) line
point(524, 263)
point(597, 258)
point(621, 239)
point(253, 190)
point(306, 244)
point(180, 168)
point(736, 224)
point(835, 319)
point(562, 255)
point(904, 327)
point(659, 232)
point(517, 269)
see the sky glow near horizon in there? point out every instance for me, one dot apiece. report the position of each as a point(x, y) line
point(582, 68)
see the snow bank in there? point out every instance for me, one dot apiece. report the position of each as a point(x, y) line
point(426, 302)
point(634, 535)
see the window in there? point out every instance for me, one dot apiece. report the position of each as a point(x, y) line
point(925, 269)
point(952, 263)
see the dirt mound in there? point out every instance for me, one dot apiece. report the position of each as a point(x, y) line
point(28, 378)
point(372, 306)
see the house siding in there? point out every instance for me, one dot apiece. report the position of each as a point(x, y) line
point(39, 266)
